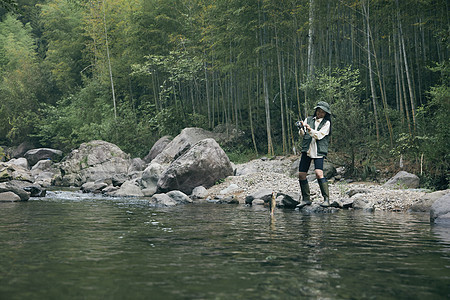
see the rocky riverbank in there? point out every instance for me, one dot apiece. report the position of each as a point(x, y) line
point(193, 167)
point(277, 175)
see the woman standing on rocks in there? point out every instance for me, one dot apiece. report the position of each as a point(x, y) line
point(315, 131)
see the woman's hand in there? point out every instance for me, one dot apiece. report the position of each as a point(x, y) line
point(307, 127)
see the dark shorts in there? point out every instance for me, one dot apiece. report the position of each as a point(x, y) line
point(305, 162)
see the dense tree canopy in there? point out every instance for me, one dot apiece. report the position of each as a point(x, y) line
point(130, 71)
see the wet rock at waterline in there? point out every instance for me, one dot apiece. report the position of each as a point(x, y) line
point(204, 164)
point(288, 200)
point(424, 204)
point(264, 195)
point(199, 192)
point(15, 187)
point(93, 161)
point(171, 198)
point(9, 197)
point(440, 210)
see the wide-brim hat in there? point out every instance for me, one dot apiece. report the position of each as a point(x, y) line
point(323, 105)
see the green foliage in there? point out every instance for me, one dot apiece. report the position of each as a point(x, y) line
point(63, 24)
point(239, 153)
point(76, 119)
point(435, 128)
point(21, 82)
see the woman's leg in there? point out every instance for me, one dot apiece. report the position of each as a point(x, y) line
point(303, 167)
point(323, 184)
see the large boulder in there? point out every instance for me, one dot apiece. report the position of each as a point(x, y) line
point(35, 155)
point(440, 210)
point(182, 143)
point(35, 190)
point(204, 164)
point(10, 171)
point(94, 161)
point(20, 150)
point(150, 177)
point(44, 171)
point(15, 187)
point(424, 204)
point(157, 148)
point(403, 179)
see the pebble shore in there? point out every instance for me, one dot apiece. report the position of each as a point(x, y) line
point(276, 174)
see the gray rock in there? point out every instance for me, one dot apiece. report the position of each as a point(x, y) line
point(129, 188)
point(93, 187)
point(15, 187)
point(347, 203)
point(232, 188)
point(162, 200)
point(21, 149)
point(230, 200)
point(93, 161)
point(151, 175)
point(288, 200)
point(315, 208)
point(44, 172)
point(363, 203)
point(22, 162)
point(424, 204)
point(110, 189)
point(245, 170)
point(403, 179)
point(118, 179)
point(9, 197)
point(265, 195)
point(137, 165)
point(204, 164)
point(353, 192)
point(182, 143)
point(157, 148)
point(199, 192)
point(33, 189)
point(440, 210)
point(35, 155)
point(257, 202)
point(179, 197)
point(9, 171)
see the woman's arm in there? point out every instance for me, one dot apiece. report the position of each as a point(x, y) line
point(319, 134)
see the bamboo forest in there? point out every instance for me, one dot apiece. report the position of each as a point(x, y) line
point(131, 71)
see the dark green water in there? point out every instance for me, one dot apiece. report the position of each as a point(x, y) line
point(70, 246)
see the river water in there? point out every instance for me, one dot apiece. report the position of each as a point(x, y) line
point(78, 246)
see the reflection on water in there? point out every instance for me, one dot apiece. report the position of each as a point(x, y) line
point(77, 246)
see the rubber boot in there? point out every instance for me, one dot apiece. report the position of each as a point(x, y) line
point(323, 184)
point(306, 195)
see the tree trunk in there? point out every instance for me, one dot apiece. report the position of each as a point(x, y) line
point(408, 78)
point(372, 83)
point(109, 62)
point(311, 39)
point(283, 129)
